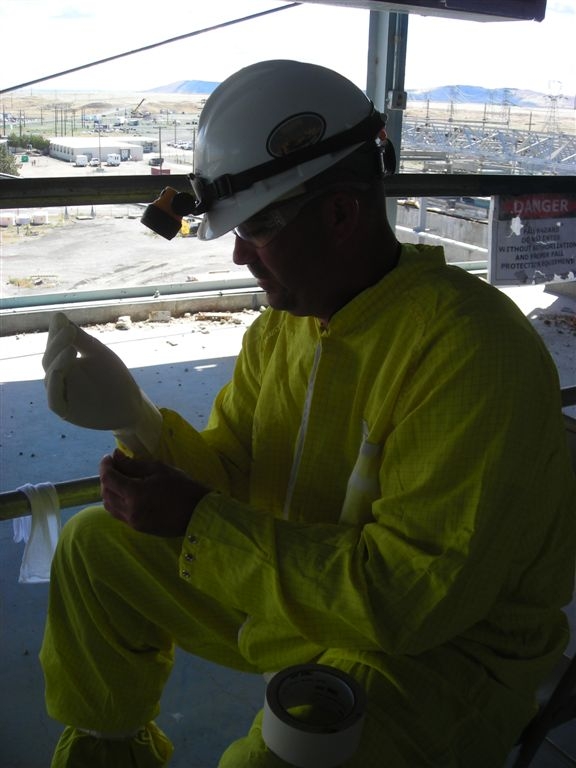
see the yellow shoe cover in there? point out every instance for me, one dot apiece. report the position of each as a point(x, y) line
point(150, 748)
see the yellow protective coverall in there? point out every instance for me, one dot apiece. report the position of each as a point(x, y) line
point(393, 497)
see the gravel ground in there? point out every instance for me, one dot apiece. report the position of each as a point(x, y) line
point(112, 250)
point(101, 247)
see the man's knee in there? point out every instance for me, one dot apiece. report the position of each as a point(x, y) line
point(85, 531)
point(251, 751)
point(84, 522)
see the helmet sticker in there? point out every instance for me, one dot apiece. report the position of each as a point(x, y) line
point(296, 132)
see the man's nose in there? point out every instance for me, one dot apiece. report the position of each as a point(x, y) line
point(244, 252)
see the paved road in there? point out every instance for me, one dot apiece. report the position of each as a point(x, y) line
point(176, 160)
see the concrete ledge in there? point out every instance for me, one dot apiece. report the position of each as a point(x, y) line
point(30, 319)
point(566, 288)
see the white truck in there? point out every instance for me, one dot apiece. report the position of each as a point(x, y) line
point(80, 161)
point(113, 159)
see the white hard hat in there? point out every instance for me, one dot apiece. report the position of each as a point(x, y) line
point(269, 128)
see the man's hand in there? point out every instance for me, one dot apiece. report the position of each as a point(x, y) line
point(149, 496)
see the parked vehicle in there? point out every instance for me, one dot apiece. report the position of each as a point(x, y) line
point(156, 161)
point(81, 161)
point(113, 159)
point(95, 161)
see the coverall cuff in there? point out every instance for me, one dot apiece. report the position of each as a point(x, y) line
point(204, 510)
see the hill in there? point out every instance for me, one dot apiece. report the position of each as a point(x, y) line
point(473, 94)
point(186, 86)
point(459, 94)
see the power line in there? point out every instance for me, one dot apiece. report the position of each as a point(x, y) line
point(147, 47)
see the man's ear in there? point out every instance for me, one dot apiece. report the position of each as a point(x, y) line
point(341, 215)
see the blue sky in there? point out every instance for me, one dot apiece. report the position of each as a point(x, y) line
point(69, 33)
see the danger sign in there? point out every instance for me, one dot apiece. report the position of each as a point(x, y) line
point(532, 239)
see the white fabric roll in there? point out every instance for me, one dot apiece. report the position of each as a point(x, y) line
point(39, 531)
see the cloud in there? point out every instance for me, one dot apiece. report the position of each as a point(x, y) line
point(561, 6)
point(71, 13)
point(440, 51)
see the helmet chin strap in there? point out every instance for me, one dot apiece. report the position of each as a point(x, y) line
point(164, 215)
point(227, 185)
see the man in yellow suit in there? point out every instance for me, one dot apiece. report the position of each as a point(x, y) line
point(383, 486)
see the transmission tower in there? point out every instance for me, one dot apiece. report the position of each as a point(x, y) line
point(551, 124)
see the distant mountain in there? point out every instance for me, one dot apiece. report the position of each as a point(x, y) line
point(459, 94)
point(473, 94)
point(186, 86)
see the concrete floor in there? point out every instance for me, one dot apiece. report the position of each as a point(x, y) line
point(205, 707)
point(182, 364)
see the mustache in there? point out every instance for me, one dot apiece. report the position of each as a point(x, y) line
point(258, 271)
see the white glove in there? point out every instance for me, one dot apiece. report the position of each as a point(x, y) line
point(88, 385)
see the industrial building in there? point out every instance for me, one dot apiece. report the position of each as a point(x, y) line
point(67, 147)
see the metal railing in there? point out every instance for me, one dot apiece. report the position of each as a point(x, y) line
point(110, 190)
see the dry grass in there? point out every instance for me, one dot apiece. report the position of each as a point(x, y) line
point(45, 105)
point(518, 118)
point(35, 104)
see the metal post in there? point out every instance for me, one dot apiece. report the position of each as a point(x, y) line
point(387, 40)
point(422, 218)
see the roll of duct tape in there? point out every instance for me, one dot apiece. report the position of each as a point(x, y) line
point(313, 716)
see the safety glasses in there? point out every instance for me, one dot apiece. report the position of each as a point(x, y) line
point(264, 226)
